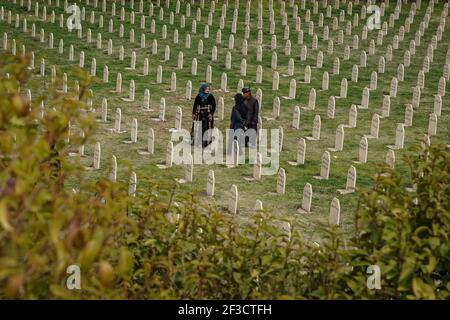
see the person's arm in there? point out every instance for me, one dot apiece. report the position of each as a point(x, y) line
point(238, 115)
point(256, 113)
point(194, 108)
point(212, 101)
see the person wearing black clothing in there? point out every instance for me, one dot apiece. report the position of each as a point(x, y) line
point(203, 111)
point(252, 110)
point(238, 123)
point(238, 113)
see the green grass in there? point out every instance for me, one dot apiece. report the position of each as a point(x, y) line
point(285, 205)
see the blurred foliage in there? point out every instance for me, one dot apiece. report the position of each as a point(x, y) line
point(163, 245)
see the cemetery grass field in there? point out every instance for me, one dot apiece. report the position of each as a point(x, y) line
point(297, 176)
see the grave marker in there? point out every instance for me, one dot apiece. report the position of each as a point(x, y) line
point(324, 167)
point(307, 199)
point(233, 202)
point(335, 211)
point(210, 183)
point(281, 181)
point(351, 181)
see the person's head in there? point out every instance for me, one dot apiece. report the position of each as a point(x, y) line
point(238, 99)
point(204, 88)
point(246, 92)
point(203, 91)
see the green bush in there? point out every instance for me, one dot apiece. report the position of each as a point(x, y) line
point(407, 233)
point(168, 245)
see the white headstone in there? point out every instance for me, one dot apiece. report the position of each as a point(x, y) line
point(386, 109)
point(173, 82)
point(421, 79)
point(352, 116)
point(189, 168)
point(325, 166)
point(307, 199)
point(275, 81)
point(105, 74)
point(258, 205)
point(150, 141)
point(312, 99)
point(325, 80)
point(296, 118)
point(344, 86)
point(375, 126)
point(97, 156)
point(233, 201)
point(292, 89)
point(257, 167)
point(316, 128)
point(281, 181)
point(390, 158)
point(416, 97)
point(301, 153)
point(331, 107)
point(132, 184)
point(134, 131)
point(363, 150)
point(104, 110)
point(355, 72)
point(432, 124)
point(189, 90)
point(336, 66)
point(399, 136)
point(339, 138)
point(381, 65)
point(210, 183)
point(276, 107)
point(373, 81)
point(409, 112)
point(365, 98)
point(159, 74)
point(437, 107)
point(118, 120)
point(351, 181)
point(169, 154)
point(307, 74)
point(131, 94)
point(162, 109)
point(441, 86)
point(119, 83)
point(335, 212)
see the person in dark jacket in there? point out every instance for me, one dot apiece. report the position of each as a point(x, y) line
point(238, 121)
point(252, 110)
point(203, 110)
point(239, 113)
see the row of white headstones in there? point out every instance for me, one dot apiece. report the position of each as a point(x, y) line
point(292, 91)
point(292, 87)
point(316, 132)
point(228, 56)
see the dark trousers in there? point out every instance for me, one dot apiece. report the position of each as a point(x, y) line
point(206, 124)
point(255, 127)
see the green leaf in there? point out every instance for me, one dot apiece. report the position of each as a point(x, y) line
point(125, 265)
point(432, 262)
point(237, 277)
point(4, 217)
point(265, 260)
point(422, 290)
